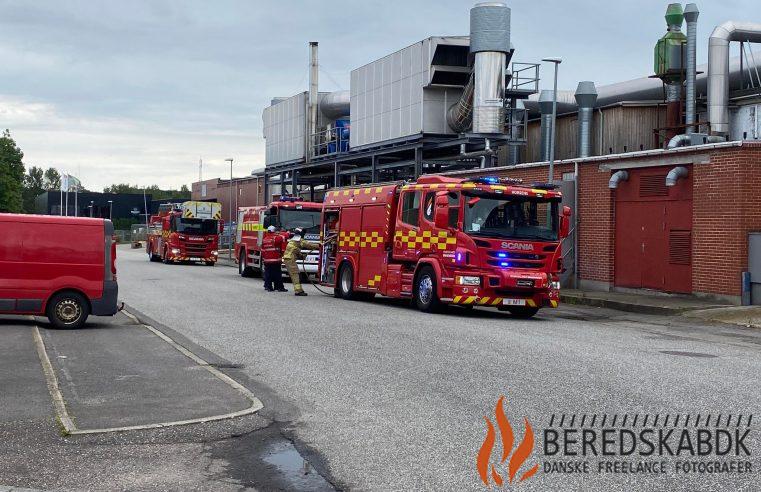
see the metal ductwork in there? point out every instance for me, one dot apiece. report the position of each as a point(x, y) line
point(718, 69)
point(617, 178)
point(679, 141)
point(586, 97)
point(673, 176)
point(545, 107)
point(460, 114)
point(691, 13)
point(490, 44)
point(313, 91)
point(335, 105)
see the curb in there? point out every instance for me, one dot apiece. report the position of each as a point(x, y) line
point(624, 306)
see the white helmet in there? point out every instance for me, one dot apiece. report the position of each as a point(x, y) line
point(271, 228)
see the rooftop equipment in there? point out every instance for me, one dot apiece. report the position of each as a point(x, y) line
point(691, 13)
point(718, 69)
point(669, 66)
point(586, 97)
point(545, 106)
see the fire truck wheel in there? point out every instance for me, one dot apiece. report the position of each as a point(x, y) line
point(426, 298)
point(523, 312)
point(243, 269)
point(345, 286)
point(68, 310)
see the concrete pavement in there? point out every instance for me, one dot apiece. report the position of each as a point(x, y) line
point(387, 398)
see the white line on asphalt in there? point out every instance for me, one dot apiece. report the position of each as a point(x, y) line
point(71, 428)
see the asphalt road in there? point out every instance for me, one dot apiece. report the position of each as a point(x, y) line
point(386, 398)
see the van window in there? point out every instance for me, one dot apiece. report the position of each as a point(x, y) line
point(411, 208)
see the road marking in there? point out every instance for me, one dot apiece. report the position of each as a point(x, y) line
point(62, 413)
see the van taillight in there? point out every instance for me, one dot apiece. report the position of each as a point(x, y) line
point(113, 257)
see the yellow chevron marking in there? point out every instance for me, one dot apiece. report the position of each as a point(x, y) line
point(530, 303)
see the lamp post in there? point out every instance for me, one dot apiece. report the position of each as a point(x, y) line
point(92, 204)
point(110, 210)
point(230, 215)
point(557, 62)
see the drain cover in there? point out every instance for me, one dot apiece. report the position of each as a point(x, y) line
point(688, 354)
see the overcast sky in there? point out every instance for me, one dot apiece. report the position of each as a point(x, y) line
point(137, 91)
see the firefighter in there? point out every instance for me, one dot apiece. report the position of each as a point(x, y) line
point(272, 250)
point(292, 253)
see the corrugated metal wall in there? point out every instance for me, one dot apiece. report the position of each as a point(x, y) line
point(624, 126)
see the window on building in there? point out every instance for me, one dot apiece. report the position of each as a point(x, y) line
point(411, 208)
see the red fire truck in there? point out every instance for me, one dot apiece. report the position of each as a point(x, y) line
point(185, 232)
point(470, 242)
point(285, 214)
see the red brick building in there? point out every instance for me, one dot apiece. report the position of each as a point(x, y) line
point(247, 191)
point(689, 238)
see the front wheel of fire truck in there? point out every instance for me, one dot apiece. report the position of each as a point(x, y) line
point(426, 298)
point(523, 312)
point(243, 269)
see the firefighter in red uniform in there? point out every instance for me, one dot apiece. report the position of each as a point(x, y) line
point(272, 256)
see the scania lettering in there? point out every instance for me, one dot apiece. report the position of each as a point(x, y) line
point(471, 242)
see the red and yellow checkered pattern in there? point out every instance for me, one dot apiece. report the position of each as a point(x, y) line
point(373, 282)
point(364, 239)
point(426, 240)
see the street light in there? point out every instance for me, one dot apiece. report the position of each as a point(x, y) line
point(230, 215)
point(92, 203)
point(557, 62)
point(110, 210)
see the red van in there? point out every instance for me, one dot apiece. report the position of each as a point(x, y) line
point(60, 267)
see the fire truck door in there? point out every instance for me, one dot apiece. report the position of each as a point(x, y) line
point(407, 227)
point(372, 264)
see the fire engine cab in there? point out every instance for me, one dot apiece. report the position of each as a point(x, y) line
point(285, 214)
point(187, 231)
point(470, 242)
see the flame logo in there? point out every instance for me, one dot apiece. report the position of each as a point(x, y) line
point(518, 458)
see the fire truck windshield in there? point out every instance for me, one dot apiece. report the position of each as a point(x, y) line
point(195, 226)
point(309, 220)
point(517, 218)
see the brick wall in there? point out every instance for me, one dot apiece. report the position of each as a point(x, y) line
point(726, 207)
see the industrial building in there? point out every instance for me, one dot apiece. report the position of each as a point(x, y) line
point(663, 172)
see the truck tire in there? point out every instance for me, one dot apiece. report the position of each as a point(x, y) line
point(345, 285)
point(424, 289)
point(243, 269)
point(67, 310)
point(523, 312)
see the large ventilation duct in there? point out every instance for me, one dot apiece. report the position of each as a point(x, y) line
point(617, 178)
point(718, 69)
point(313, 91)
point(691, 13)
point(586, 97)
point(490, 44)
point(335, 105)
point(545, 107)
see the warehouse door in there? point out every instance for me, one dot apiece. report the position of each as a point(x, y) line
point(653, 243)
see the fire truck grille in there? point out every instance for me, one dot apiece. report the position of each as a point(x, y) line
point(515, 260)
point(195, 249)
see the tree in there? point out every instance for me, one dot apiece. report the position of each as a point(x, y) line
point(34, 185)
point(156, 193)
point(11, 174)
point(52, 179)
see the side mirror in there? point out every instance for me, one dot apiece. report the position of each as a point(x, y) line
point(441, 214)
point(565, 222)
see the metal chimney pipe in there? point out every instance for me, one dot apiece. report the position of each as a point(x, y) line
point(691, 13)
point(545, 107)
point(314, 72)
point(490, 42)
point(718, 69)
point(586, 97)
